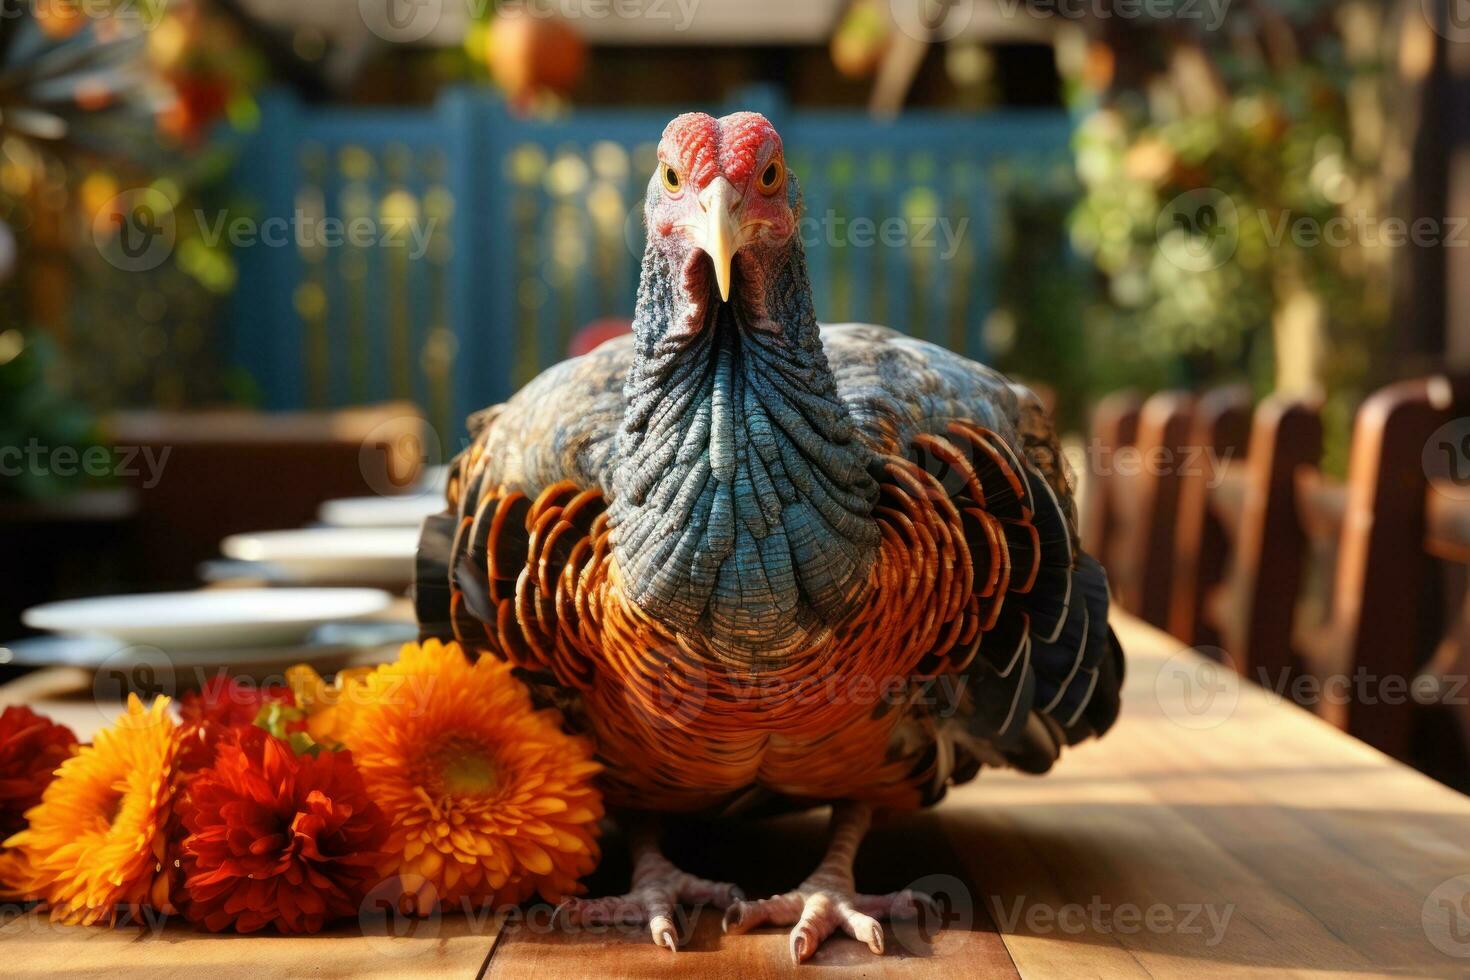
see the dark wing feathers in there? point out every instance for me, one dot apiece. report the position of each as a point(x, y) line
point(1049, 668)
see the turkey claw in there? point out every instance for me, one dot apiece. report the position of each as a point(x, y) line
point(818, 910)
point(653, 900)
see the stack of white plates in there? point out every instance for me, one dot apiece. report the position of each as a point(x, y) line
point(336, 555)
point(246, 630)
point(408, 510)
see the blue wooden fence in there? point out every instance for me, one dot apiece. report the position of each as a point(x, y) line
point(509, 235)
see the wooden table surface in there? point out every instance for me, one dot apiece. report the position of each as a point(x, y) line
point(1216, 832)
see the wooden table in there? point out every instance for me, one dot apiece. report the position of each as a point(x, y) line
point(1215, 832)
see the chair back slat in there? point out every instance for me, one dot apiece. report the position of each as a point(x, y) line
point(1220, 433)
point(1114, 429)
point(1152, 488)
point(1265, 578)
point(1384, 588)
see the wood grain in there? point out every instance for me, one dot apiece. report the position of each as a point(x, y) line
point(454, 946)
point(1258, 841)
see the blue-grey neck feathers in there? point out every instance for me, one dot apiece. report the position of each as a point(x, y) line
point(742, 498)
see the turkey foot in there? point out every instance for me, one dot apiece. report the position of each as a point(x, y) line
point(658, 887)
point(828, 900)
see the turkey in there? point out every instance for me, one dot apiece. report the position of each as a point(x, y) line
point(768, 564)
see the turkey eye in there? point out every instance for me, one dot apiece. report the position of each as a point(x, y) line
point(771, 176)
point(671, 179)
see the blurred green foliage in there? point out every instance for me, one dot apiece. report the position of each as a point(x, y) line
point(1200, 154)
point(38, 416)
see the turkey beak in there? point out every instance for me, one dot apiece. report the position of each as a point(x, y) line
point(720, 236)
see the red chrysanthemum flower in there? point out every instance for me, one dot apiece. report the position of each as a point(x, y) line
point(31, 747)
point(222, 704)
point(277, 839)
point(230, 701)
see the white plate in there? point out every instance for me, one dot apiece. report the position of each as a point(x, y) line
point(434, 479)
point(339, 555)
point(324, 646)
point(209, 619)
point(408, 510)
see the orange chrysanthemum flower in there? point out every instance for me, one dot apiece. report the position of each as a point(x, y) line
point(31, 747)
point(277, 839)
point(328, 707)
point(489, 799)
point(96, 847)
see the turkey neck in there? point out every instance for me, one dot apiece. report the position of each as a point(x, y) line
point(742, 503)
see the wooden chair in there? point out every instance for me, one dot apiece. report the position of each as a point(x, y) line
point(1105, 520)
point(1218, 440)
point(1403, 515)
point(1132, 495)
point(1270, 519)
point(226, 471)
point(1353, 597)
point(1333, 590)
point(1283, 602)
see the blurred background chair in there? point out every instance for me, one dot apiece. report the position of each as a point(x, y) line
point(1133, 495)
point(1108, 520)
point(1209, 508)
point(224, 472)
point(1349, 596)
point(1389, 591)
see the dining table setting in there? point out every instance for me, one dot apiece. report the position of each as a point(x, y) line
point(331, 594)
point(1218, 831)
